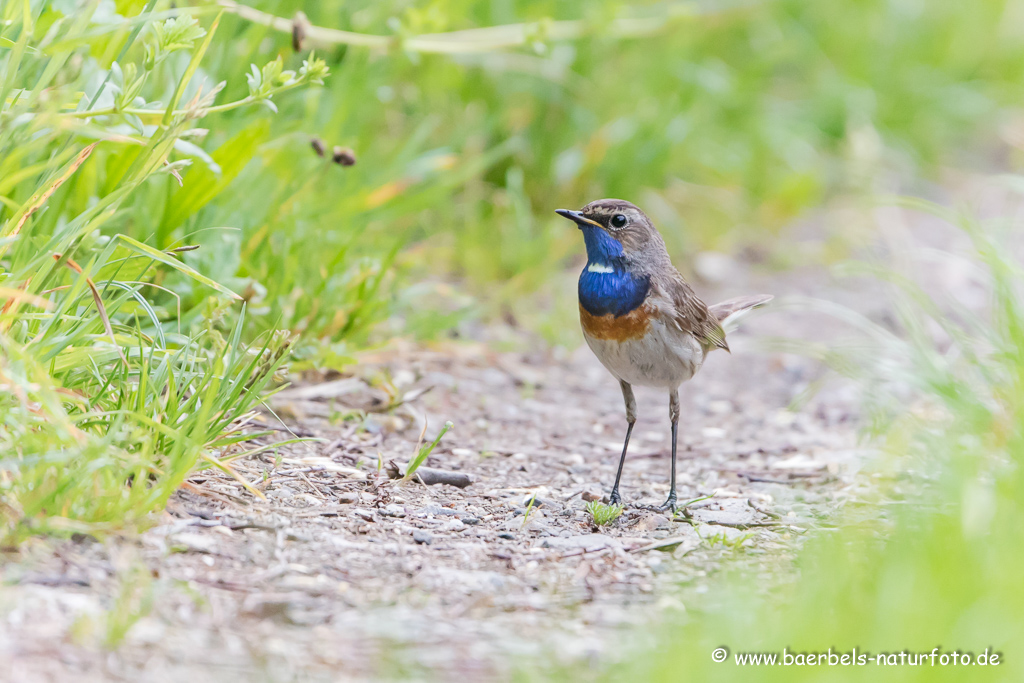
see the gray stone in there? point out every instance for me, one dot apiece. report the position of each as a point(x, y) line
point(587, 542)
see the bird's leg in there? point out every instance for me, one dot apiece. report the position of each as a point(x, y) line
point(627, 396)
point(673, 410)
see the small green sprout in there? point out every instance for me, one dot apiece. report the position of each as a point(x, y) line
point(424, 452)
point(602, 514)
point(723, 540)
point(529, 509)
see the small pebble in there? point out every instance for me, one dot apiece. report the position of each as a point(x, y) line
point(541, 502)
point(436, 510)
point(393, 510)
point(651, 522)
point(422, 537)
point(591, 496)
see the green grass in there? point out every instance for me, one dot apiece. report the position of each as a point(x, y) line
point(603, 515)
point(111, 398)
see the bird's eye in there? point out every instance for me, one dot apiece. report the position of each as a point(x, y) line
point(619, 221)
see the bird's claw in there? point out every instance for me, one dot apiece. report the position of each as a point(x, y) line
point(669, 504)
point(614, 499)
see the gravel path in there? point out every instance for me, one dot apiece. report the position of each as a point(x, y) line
point(343, 574)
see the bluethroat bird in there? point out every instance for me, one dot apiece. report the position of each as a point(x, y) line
point(639, 316)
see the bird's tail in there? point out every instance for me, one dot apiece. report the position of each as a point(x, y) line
point(729, 312)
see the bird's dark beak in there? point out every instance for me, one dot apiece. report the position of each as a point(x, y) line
point(577, 217)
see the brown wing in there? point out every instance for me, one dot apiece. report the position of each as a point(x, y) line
point(691, 314)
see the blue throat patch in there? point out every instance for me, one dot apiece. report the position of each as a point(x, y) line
point(606, 286)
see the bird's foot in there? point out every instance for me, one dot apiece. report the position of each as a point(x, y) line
point(669, 504)
point(615, 498)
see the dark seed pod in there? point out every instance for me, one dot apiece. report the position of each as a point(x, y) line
point(318, 146)
point(300, 26)
point(343, 156)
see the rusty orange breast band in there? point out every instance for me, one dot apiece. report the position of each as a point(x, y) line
point(632, 325)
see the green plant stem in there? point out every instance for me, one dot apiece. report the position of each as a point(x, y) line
point(468, 41)
point(227, 106)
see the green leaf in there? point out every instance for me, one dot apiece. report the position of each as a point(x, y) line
point(271, 72)
point(202, 184)
point(314, 70)
point(262, 83)
point(424, 452)
point(255, 80)
point(179, 33)
point(122, 263)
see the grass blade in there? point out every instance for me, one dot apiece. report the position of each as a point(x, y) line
point(174, 263)
point(193, 64)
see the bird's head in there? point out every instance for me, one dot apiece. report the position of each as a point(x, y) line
point(614, 229)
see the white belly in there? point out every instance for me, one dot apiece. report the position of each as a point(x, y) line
point(662, 358)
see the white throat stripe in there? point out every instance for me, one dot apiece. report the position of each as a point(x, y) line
point(599, 268)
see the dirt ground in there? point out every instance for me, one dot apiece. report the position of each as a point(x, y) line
point(344, 574)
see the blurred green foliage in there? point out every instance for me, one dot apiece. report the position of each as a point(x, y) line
point(726, 123)
point(729, 119)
